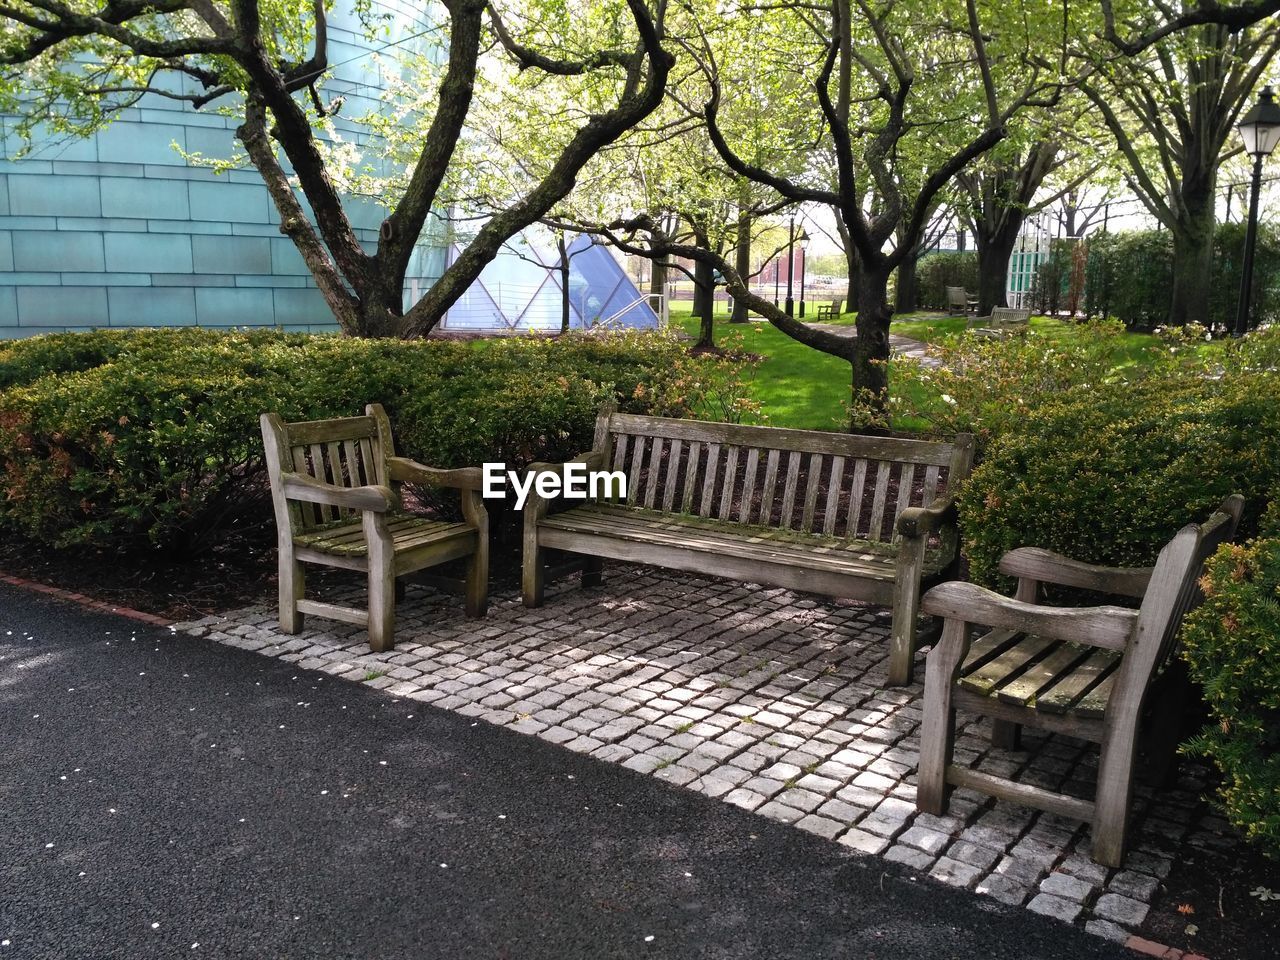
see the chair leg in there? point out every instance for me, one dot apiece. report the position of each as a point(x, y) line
point(478, 581)
point(1006, 735)
point(592, 572)
point(1111, 803)
point(382, 584)
point(938, 731)
point(532, 572)
point(292, 584)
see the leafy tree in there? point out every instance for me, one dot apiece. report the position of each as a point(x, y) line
point(76, 65)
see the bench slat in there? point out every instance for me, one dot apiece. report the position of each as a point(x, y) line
point(833, 496)
point(620, 452)
point(811, 491)
point(1008, 665)
point(1052, 669)
point(770, 484)
point(690, 478)
point(878, 503)
point(749, 485)
point(789, 489)
point(653, 477)
point(906, 487)
point(637, 464)
point(930, 485)
point(709, 471)
point(855, 499)
point(673, 468)
point(730, 478)
point(1094, 703)
point(1062, 696)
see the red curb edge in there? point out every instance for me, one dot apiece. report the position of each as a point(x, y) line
point(87, 602)
point(1150, 948)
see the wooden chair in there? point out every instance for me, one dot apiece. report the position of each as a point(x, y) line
point(1084, 672)
point(959, 302)
point(829, 311)
point(335, 487)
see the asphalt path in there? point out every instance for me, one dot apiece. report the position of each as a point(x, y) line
point(162, 796)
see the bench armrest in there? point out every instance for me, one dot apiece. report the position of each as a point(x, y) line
point(374, 498)
point(1045, 566)
point(592, 460)
point(1106, 626)
point(921, 521)
point(404, 470)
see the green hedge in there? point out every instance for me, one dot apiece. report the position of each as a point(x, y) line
point(150, 439)
point(1129, 276)
point(1232, 645)
point(1107, 470)
point(937, 271)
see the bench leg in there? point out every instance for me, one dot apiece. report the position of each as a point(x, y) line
point(478, 581)
point(533, 571)
point(1111, 803)
point(382, 584)
point(1006, 735)
point(292, 584)
point(592, 571)
point(938, 730)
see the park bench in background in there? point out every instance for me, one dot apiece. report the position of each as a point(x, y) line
point(829, 311)
point(1003, 321)
point(959, 302)
point(335, 487)
point(801, 509)
point(1085, 672)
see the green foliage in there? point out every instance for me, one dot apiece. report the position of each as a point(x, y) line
point(1232, 645)
point(937, 271)
point(153, 442)
point(1130, 275)
point(1107, 471)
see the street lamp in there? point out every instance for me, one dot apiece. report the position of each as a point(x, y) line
point(1260, 131)
point(791, 267)
point(804, 262)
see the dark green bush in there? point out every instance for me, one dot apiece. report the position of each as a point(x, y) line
point(1232, 645)
point(937, 271)
point(1107, 472)
point(157, 445)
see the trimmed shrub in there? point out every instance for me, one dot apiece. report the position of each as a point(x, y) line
point(1107, 473)
point(156, 444)
point(1232, 645)
point(937, 271)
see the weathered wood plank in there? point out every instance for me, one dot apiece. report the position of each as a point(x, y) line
point(876, 530)
point(1022, 793)
point(1052, 669)
point(855, 498)
point(811, 492)
point(834, 482)
point(1008, 665)
point(1063, 695)
point(691, 477)
point(634, 474)
point(789, 488)
point(930, 485)
point(710, 468)
point(653, 477)
point(673, 470)
point(749, 485)
point(906, 488)
point(727, 486)
point(620, 452)
point(304, 432)
point(770, 486)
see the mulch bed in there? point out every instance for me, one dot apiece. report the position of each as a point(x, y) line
point(1206, 906)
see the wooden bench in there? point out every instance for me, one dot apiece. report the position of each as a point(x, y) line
point(335, 488)
point(867, 518)
point(829, 311)
point(1002, 322)
point(1083, 672)
point(959, 302)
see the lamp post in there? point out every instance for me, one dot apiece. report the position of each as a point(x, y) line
point(791, 268)
point(804, 262)
point(1260, 131)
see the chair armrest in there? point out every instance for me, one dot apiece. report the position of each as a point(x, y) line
point(404, 470)
point(375, 497)
point(921, 521)
point(1107, 626)
point(1045, 566)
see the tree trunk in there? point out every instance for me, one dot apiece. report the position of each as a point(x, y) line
point(871, 348)
point(742, 263)
point(994, 253)
point(1193, 254)
point(564, 283)
point(704, 293)
point(905, 297)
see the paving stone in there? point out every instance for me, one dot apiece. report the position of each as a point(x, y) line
point(864, 842)
point(1112, 906)
point(1136, 886)
point(1107, 930)
point(821, 826)
point(1004, 889)
point(1056, 907)
point(1067, 887)
point(927, 840)
point(984, 858)
point(912, 857)
point(955, 872)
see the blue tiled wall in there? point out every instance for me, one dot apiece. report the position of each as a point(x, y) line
point(118, 230)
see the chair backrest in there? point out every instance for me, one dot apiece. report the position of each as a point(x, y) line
point(1173, 591)
point(841, 485)
point(1010, 315)
point(837, 308)
point(347, 452)
point(957, 297)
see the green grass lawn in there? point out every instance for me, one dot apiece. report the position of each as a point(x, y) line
point(803, 388)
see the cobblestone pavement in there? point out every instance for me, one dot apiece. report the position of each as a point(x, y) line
point(766, 699)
